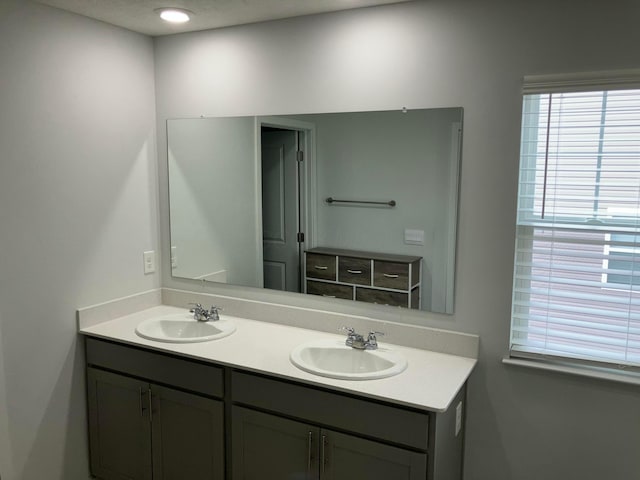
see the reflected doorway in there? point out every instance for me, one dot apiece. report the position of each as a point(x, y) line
point(282, 207)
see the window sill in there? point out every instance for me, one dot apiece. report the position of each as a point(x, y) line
point(608, 374)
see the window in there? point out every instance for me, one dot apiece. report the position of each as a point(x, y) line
point(576, 290)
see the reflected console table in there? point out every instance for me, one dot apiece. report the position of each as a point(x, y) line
point(382, 278)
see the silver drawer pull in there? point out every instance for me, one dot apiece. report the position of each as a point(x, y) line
point(328, 296)
point(320, 267)
point(355, 272)
point(323, 453)
point(150, 405)
point(141, 405)
point(389, 275)
point(309, 454)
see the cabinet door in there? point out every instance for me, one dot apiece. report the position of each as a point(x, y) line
point(267, 447)
point(345, 457)
point(119, 430)
point(188, 436)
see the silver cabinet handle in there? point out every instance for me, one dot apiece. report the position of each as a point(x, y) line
point(355, 272)
point(309, 446)
point(141, 405)
point(150, 406)
point(320, 267)
point(323, 453)
point(328, 296)
point(389, 275)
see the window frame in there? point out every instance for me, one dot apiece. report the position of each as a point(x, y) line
point(583, 82)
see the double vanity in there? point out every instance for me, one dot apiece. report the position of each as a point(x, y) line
point(172, 397)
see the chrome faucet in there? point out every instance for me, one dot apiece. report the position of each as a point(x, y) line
point(201, 314)
point(355, 340)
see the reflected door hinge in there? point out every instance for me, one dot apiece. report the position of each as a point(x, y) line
point(300, 155)
point(300, 237)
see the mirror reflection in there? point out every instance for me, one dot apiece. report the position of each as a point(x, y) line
point(358, 206)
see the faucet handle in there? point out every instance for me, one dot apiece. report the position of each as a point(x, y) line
point(372, 340)
point(214, 312)
point(199, 313)
point(196, 307)
point(349, 330)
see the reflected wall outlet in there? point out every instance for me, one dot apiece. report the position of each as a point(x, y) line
point(458, 418)
point(149, 259)
point(414, 237)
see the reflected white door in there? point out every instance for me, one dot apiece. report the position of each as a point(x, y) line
point(280, 207)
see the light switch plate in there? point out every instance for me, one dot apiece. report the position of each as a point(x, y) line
point(174, 256)
point(149, 259)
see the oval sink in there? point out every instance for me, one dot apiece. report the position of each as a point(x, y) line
point(332, 358)
point(183, 328)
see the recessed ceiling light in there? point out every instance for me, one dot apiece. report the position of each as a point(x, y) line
point(174, 15)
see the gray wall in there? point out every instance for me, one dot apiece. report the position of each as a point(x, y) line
point(522, 424)
point(78, 206)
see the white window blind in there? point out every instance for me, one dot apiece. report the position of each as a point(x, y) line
point(576, 289)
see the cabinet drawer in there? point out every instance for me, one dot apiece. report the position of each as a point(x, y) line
point(385, 422)
point(330, 290)
point(354, 270)
point(391, 275)
point(157, 367)
point(382, 297)
point(321, 266)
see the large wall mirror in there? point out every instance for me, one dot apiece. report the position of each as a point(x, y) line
point(360, 206)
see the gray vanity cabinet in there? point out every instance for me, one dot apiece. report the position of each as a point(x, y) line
point(157, 416)
point(119, 427)
point(268, 447)
point(141, 430)
point(323, 438)
point(346, 457)
point(271, 447)
point(187, 436)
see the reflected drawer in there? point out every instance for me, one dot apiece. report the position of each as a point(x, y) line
point(321, 266)
point(382, 297)
point(354, 270)
point(391, 275)
point(330, 290)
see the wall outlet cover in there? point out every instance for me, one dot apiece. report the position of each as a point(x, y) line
point(149, 259)
point(458, 418)
point(174, 256)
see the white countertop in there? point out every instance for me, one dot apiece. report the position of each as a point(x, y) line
point(430, 381)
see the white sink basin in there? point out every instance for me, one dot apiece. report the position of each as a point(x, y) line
point(183, 328)
point(332, 358)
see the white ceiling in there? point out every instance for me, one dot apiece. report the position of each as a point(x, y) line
point(140, 15)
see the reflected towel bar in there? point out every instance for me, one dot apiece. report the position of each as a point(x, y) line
point(390, 203)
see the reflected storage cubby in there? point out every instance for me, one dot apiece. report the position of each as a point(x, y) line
point(371, 277)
